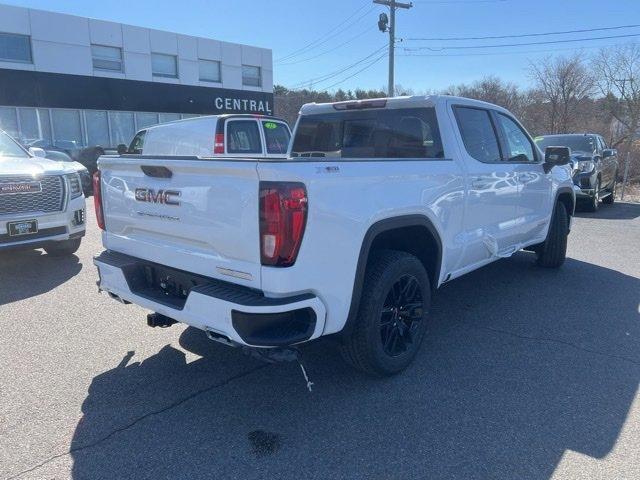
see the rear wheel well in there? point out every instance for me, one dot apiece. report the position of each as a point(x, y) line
point(417, 240)
point(413, 234)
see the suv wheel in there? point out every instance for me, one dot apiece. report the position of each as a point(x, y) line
point(552, 253)
point(392, 317)
point(609, 199)
point(64, 248)
point(594, 201)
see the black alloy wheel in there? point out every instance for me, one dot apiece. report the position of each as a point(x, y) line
point(401, 315)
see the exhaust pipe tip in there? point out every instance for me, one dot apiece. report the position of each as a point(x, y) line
point(118, 298)
point(220, 338)
point(158, 320)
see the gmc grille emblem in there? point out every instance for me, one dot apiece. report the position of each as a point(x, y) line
point(164, 197)
point(23, 187)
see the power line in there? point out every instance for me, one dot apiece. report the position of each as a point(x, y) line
point(369, 65)
point(496, 37)
point(331, 50)
point(304, 47)
point(477, 54)
point(328, 76)
point(326, 37)
point(454, 2)
point(548, 42)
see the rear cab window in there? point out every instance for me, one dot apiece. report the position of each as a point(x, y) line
point(276, 137)
point(137, 144)
point(372, 133)
point(243, 137)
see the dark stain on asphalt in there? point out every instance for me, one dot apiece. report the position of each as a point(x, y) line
point(264, 443)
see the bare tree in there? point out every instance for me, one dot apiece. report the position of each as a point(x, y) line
point(493, 90)
point(618, 78)
point(288, 102)
point(565, 85)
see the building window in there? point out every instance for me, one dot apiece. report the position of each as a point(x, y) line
point(15, 48)
point(122, 127)
point(209, 71)
point(169, 117)
point(251, 76)
point(44, 120)
point(144, 120)
point(67, 128)
point(106, 58)
point(164, 65)
point(9, 121)
point(97, 128)
point(29, 125)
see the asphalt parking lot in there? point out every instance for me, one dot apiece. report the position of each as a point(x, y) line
point(526, 374)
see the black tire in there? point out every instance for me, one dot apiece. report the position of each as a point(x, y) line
point(64, 248)
point(611, 198)
point(593, 202)
point(552, 253)
point(372, 347)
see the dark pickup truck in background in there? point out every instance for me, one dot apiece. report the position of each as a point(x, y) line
point(595, 166)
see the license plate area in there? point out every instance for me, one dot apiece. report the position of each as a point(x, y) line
point(24, 227)
point(162, 284)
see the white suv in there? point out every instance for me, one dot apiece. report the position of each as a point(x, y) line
point(41, 201)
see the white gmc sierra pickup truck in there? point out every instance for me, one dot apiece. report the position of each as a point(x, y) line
point(378, 203)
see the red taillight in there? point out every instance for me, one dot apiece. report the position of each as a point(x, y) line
point(283, 217)
point(218, 143)
point(97, 199)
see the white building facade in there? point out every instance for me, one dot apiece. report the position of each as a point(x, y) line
point(68, 80)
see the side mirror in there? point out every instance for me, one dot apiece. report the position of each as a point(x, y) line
point(555, 156)
point(37, 152)
point(609, 152)
point(122, 149)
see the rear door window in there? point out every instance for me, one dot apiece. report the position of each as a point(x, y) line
point(479, 136)
point(379, 133)
point(243, 137)
point(276, 137)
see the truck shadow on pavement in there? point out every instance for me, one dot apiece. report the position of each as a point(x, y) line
point(29, 273)
point(521, 365)
point(617, 211)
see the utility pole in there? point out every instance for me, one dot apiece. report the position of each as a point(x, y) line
point(391, 28)
point(631, 137)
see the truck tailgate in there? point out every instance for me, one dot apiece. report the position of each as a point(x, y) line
point(195, 215)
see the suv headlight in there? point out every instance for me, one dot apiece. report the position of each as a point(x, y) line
point(75, 186)
point(586, 166)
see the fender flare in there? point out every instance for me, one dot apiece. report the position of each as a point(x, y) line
point(372, 233)
point(569, 190)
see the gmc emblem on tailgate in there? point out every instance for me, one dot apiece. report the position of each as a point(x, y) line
point(164, 197)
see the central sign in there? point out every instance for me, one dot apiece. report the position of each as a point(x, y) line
point(243, 105)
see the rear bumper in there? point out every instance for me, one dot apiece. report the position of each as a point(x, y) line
point(226, 311)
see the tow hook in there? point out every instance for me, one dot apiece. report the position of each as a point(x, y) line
point(159, 320)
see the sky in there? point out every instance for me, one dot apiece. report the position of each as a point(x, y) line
point(332, 44)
